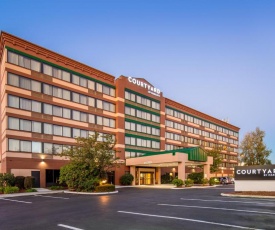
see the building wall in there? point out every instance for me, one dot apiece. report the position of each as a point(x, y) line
point(149, 105)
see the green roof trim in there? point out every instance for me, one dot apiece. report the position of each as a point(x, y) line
point(57, 66)
point(139, 94)
point(142, 109)
point(199, 118)
point(141, 137)
point(142, 123)
point(194, 153)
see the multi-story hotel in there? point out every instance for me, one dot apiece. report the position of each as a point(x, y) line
point(48, 99)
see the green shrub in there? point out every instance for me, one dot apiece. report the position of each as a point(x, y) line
point(56, 187)
point(77, 177)
point(11, 189)
point(178, 182)
point(19, 182)
point(105, 188)
point(205, 181)
point(126, 179)
point(28, 182)
point(166, 178)
point(1, 189)
point(31, 190)
point(188, 183)
point(196, 177)
point(212, 181)
point(6, 179)
point(90, 185)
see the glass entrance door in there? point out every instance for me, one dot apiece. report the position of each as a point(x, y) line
point(146, 178)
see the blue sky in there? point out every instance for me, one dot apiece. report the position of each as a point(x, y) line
point(217, 57)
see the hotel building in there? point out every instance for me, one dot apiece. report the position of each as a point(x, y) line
point(48, 99)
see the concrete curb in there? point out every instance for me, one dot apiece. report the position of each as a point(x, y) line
point(29, 194)
point(92, 193)
point(247, 196)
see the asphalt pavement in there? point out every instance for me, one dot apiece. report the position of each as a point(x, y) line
point(135, 208)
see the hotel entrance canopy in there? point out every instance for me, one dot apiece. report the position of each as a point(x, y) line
point(174, 158)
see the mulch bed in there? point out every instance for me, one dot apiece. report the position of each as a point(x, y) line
point(254, 193)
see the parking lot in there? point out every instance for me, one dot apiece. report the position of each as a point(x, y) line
point(138, 209)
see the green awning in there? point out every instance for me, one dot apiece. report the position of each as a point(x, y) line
point(194, 153)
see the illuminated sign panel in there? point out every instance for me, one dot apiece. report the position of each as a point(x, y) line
point(260, 172)
point(151, 89)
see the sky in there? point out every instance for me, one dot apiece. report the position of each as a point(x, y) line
point(217, 57)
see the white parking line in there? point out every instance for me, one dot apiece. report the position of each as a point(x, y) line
point(54, 197)
point(69, 227)
point(186, 219)
point(227, 201)
point(225, 209)
point(26, 202)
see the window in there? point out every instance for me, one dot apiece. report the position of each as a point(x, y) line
point(75, 79)
point(47, 109)
point(57, 92)
point(36, 127)
point(36, 147)
point(47, 89)
point(25, 83)
point(66, 94)
point(66, 113)
point(13, 79)
point(76, 115)
point(47, 70)
point(66, 76)
point(99, 87)
point(35, 65)
point(66, 131)
point(12, 58)
point(13, 101)
point(83, 82)
point(36, 86)
point(25, 104)
point(36, 106)
point(91, 84)
point(13, 123)
point(48, 148)
point(26, 146)
point(76, 133)
point(25, 125)
point(92, 118)
point(57, 111)
point(14, 145)
point(57, 130)
point(48, 129)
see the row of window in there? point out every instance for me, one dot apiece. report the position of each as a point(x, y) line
point(142, 128)
point(39, 107)
point(198, 121)
point(16, 145)
point(142, 114)
point(129, 154)
point(58, 73)
point(196, 131)
point(46, 128)
point(54, 91)
point(142, 100)
point(229, 157)
point(194, 141)
point(142, 142)
point(35, 147)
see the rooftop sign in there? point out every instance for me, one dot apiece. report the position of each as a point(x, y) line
point(260, 172)
point(151, 89)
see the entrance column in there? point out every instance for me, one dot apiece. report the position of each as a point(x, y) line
point(206, 171)
point(133, 172)
point(181, 170)
point(158, 176)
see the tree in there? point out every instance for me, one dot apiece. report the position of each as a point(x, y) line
point(253, 149)
point(90, 160)
point(217, 159)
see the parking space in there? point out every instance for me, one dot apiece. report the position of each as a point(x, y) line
point(139, 208)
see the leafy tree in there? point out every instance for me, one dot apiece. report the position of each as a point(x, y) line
point(217, 159)
point(253, 149)
point(90, 160)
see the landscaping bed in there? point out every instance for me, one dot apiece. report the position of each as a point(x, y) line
point(251, 193)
